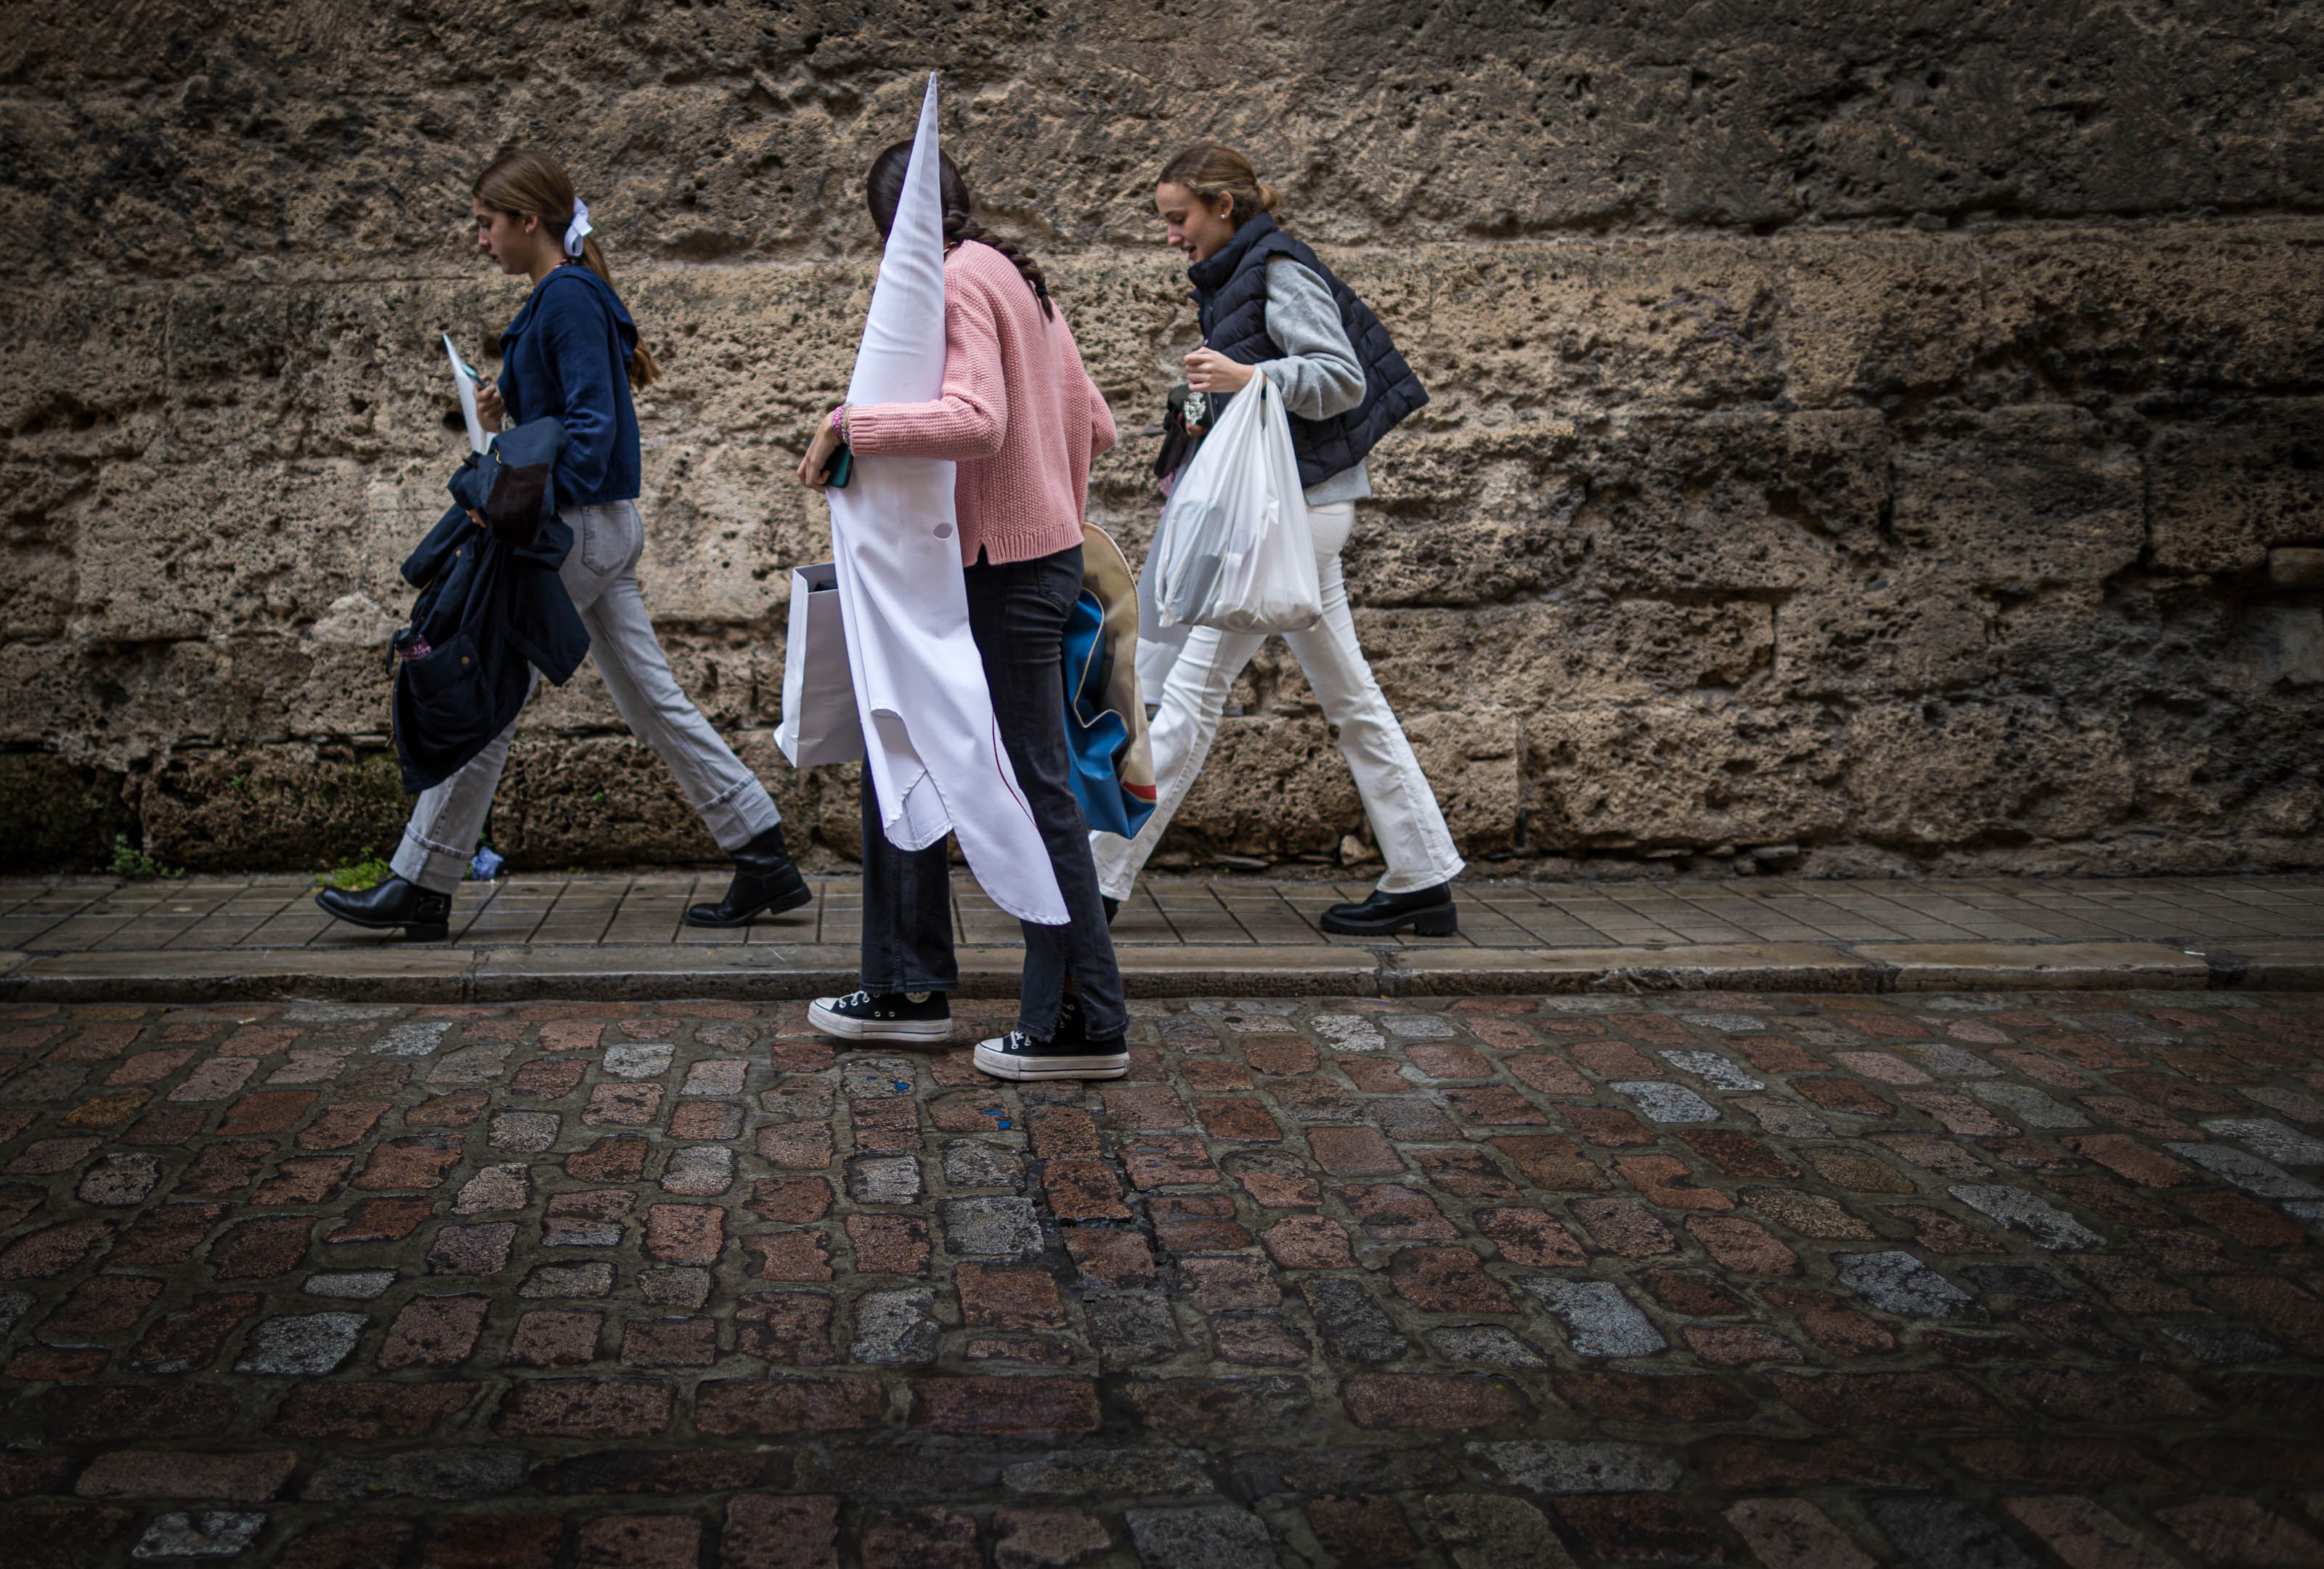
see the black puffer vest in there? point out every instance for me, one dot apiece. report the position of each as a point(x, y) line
point(1231, 289)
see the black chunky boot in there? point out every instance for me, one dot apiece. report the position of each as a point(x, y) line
point(1428, 911)
point(425, 917)
point(765, 883)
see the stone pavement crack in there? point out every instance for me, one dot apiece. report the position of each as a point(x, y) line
point(1949, 1277)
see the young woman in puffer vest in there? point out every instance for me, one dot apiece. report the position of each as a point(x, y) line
point(573, 353)
point(1267, 305)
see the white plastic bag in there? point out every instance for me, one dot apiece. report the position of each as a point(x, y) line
point(1233, 550)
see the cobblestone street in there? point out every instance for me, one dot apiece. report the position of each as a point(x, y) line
point(1965, 1281)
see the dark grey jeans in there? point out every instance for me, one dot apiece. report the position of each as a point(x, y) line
point(1017, 613)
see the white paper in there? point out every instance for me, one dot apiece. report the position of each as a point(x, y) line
point(466, 387)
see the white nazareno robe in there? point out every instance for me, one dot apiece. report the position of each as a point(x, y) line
point(930, 739)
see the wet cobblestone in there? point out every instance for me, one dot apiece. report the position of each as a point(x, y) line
point(1936, 1280)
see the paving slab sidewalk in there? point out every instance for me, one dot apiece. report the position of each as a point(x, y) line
point(621, 935)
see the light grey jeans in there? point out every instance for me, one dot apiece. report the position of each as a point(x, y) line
point(1406, 823)
point(601, 574)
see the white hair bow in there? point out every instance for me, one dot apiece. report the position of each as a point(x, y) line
point(578, 229)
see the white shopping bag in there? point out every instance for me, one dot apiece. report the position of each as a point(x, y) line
point(820, 722)
point(1233, 549)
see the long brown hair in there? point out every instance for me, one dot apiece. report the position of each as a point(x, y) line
point(1212, 169)
point(524, 183)
point(884, 189)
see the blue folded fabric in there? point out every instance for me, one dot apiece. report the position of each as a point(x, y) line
point(1096, 736)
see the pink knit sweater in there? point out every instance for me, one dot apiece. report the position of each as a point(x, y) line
point(1020, 414)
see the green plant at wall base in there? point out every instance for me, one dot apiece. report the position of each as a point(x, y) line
point(130, 862)
point(366, 870)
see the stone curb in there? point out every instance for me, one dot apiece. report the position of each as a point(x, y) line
point(1711, 967)
point(2041, 966)
point(394, 972)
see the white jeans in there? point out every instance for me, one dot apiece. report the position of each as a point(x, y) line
point(1405, 822)
point(601, 574)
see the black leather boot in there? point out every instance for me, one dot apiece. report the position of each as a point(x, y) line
point(1428, 911)
point(425, 917)
point(765, 883)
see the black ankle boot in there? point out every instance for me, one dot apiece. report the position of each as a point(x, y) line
point(765, 883)
point(425, 917)
point(1428, 911)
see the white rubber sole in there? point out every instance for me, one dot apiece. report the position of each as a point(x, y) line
point(847, 1028)
point(1001, 1065)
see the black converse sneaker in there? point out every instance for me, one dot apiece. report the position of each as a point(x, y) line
point(1070, 1054)
point(883, 1016)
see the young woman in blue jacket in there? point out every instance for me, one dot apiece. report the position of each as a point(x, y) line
point(573, 353)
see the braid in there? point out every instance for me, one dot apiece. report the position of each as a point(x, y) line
point(959, 226)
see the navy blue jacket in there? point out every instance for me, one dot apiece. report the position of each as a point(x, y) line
point(568, 354)
point(1230, 292)
point(492, 613)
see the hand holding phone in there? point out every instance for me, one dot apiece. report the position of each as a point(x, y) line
point(826, 461)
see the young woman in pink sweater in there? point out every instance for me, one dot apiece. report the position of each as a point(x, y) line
point(1022, 420)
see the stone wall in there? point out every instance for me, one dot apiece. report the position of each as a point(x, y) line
point(1863, 439)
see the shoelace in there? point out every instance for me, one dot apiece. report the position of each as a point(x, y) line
point(851, 999)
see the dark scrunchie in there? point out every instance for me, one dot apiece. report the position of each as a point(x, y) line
point(959, 226)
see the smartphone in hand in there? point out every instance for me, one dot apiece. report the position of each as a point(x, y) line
point(842, 469)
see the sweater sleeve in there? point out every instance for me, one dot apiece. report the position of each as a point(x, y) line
point(1318, 373)
point(971, 419)
point(582, 357)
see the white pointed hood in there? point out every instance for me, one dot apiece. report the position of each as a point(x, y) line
point(929, 737)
